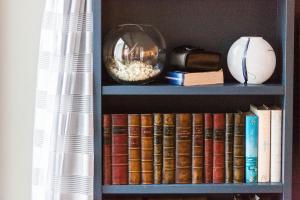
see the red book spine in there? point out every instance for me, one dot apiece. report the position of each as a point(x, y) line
point(219, 149)
point(106, 149)
point(119, 149)
point(208, 147)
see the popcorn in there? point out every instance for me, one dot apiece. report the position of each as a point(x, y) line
point(134, 71)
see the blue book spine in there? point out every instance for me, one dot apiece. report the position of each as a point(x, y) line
point(251, 148)
point(175, 78)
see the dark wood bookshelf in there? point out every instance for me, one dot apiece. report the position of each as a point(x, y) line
point(213, 25)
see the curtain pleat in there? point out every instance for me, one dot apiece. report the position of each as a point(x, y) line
point(63, 151)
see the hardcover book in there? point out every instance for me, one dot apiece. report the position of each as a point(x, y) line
point(158, 147)
point(208, 148)
point(119, 149)
point(134, 149)
point(198, 149)
point(147, 148)
point(195, 78)
point(276, 134)
point(107, 149)
point(264, 139)
point(239, 148)
point(183, 148)
point(229, 147)
point(251, 147)
point(219, 148)
point(169, 148)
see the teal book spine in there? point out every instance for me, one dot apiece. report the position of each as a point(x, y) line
point(251, 148)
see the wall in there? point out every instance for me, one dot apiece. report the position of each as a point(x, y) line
point(19, 40)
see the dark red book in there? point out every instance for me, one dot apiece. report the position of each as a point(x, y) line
point(219, 148)
point(198, 149)
point(119, 149)
point(208, 147)
point(106, 149)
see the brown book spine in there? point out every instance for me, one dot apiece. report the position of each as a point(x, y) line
point(208, 147)
point(183, 148)
point(119, 149)
point(169, 148)
point(229, 147)
point(198, 149)
point(239, 148)
point(158, 147)
point(219, 148)
point(134, 149)
point(107, 149)
point(147, 148)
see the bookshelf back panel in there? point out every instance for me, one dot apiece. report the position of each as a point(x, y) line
point(210, 24)
point(174, 104)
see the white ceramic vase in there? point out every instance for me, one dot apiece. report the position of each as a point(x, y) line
point(256, 55)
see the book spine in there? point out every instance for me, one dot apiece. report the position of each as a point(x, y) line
point(208, 148)
point(276, 129)
point(119, 149)
point(239, 148)
point(168, 149)
point(219, 148)
point(229, 147)
point(264, 140)
point(251, 148)
point(198, 149)
point(158, 147)
point(134, 149)
point(107, 149)
point(183, 148)
point(147, 148)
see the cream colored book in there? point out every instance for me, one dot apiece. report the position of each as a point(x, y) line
point(195, 78)
point(276, 135)
point(264, 141)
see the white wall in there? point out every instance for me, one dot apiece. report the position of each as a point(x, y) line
point(20, 22)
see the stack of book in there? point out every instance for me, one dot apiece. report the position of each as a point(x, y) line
point(193, 148)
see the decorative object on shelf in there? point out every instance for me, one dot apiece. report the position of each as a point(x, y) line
point(191, 59)
point(251, 60)
point(134, 53)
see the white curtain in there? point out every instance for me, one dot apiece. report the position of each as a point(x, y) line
point(63, 151)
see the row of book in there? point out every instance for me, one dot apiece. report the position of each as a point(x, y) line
point(193, 148)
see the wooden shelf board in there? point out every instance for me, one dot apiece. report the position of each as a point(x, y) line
point(227, 89)
point(193, 188)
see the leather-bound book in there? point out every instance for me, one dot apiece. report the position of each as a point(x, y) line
point(229, 127)
point(183, 148)
point(158, 147)
point(147, 148)
point(134, 149)
point(208, 147)
point(169, 148)
point(219, 148)
point(239, 148)
point(119, 149)
point(198, 149)
point(107, 149)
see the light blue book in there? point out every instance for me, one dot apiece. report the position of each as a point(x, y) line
point(251, 147)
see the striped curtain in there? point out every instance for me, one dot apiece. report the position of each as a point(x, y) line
point(63, 151)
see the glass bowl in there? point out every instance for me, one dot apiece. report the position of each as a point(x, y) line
point(134, 53)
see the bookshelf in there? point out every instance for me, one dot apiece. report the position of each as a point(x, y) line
point(213, 25)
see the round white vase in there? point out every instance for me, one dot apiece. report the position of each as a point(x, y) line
point(256, 56)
